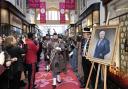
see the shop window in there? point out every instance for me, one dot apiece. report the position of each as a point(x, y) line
point(89, 20)
point(15, 31)
point(15, 21)
point(4, 29)
point(4, 16)
point(96, 18)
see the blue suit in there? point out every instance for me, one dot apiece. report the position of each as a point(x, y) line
point(102, 49)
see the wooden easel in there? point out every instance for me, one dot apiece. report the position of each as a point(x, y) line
point(97, 76)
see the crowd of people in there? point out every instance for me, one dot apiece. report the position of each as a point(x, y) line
point(19, 54)
point(12, 57)
point(22, 55)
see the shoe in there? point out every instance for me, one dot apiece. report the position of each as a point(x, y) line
point(53, 86)
point(22, 83)
point(82, 86)
point(58, 79)
point(47, 68)
point(54, 83)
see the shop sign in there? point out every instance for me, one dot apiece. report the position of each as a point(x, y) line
point(15, 21)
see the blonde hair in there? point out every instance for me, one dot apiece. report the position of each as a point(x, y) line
point(8, 41)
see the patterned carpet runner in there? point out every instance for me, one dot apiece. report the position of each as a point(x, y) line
point(43, 79)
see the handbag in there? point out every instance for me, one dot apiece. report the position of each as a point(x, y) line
point(2, 69)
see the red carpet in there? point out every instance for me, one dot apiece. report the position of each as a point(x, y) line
point(44, 79)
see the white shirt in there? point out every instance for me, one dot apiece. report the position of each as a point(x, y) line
point(85, 48)
point(99, 42)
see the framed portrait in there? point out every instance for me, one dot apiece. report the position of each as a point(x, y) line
point(102, 44)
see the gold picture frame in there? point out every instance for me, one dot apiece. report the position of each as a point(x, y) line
point(102, 51)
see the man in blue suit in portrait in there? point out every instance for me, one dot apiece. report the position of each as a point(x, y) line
point(102, 46)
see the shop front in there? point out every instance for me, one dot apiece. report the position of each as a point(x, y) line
point(25, 28)
point(78, 28)
point(71, 31)
point(12, 21)
point(91, 16)
point(35, 29)
point(15, 25)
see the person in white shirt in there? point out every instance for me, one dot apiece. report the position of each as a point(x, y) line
point(86, 64)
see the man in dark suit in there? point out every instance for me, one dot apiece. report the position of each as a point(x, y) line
point(102, 46)
point(86, 64)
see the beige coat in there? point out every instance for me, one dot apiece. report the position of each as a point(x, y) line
point(80, 68)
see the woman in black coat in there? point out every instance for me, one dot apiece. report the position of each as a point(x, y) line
point(14, 73)
point(4, 64)
point(2, 58)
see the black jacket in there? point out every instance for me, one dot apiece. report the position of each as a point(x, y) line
point(17, 52)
